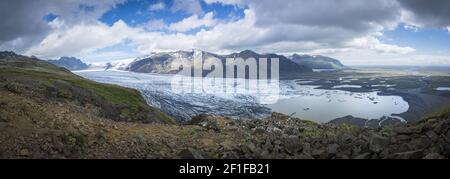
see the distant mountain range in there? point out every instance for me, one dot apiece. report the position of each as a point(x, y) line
point(70, 63)
point(164, 62)
point(8, 54)
point(317, 61)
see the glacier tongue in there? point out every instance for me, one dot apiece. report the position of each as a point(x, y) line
point(158, 91)
point(118, 65)
point(191, 97)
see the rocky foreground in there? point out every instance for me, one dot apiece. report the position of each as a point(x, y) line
point(66, 132)
point(47, 112)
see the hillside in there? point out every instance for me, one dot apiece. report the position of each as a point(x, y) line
point(70, 63)
point(37, 79)
point(287, 66)
point(317, 61)
point(165, 61)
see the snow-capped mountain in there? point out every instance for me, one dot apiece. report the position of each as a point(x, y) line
point(119, 65)
point(70, 63)
point(163, 62)
point(169, 62)
point(173, 62)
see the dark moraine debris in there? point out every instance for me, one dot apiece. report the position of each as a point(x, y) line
point(349, 120)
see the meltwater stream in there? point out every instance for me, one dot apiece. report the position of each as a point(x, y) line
point(187, 98)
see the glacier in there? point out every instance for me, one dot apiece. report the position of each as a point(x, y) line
point(184, 99)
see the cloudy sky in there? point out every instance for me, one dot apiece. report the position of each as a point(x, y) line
point(358, 32)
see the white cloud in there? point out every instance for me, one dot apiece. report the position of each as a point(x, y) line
point(244, 34)
point(431, 13)
point(189, 6)
point(22, 23)
point(346, 14)
point(372, 43)
point(349, 31)
point(81, 39)
point(106, 56)
point(155, 25)
point(223, 37)
point(147, 42)
point(193, 22)
point(411, 28)
point(227, 2)
point(407, 17)
point(157, 6)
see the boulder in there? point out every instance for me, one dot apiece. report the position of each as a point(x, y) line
point(305, 156)
point(377, 143)
point(258, 130)
point(365, 155)
point(190, 154)
point(420, 143)
point(306, 147)
point(332, 149)
point(409, 130)
point(293, 145)
point(403, 137)
point(434, 156)
point(432, 135)
point(319, 154)
point(23, 153)
point(3, 118)
point(251, 148)
point(448, 136)
point(416, 154)
point(206, 121)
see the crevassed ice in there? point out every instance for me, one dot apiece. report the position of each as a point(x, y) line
point(186, 97)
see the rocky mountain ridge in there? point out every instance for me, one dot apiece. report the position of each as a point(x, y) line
point(70, 63)
point(170, 62)
point(317, 61)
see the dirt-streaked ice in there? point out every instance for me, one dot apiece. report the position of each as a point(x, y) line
point(235, 99)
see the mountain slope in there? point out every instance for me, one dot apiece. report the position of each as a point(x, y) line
point(317, 62)
point(41, 80)
point(167, 62)
point(70, 63)
point(286, 65)
point(164, 62)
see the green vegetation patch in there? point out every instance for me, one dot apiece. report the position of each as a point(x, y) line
point(117, 102)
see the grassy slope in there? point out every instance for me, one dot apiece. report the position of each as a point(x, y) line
point(439, 81)
point(443, 112)
point(122, 103)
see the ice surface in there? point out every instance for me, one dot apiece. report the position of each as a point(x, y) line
point(184, 97)
point(183, 101)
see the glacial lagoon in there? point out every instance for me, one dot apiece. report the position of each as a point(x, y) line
point(323, 105)
point(236, 99)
